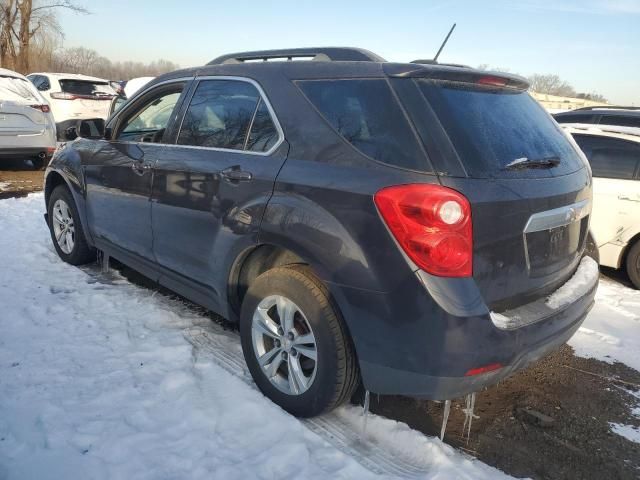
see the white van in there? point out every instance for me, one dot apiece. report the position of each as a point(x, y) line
point(614, 155)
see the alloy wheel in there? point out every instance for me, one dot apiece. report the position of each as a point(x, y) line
point(284, 345)
point(63, 226)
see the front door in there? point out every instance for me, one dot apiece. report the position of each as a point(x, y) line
point(119, 176)
point(210, 191)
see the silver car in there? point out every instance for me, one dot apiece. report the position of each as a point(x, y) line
point(27, 128)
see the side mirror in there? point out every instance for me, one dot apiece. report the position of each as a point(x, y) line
point(92, 128)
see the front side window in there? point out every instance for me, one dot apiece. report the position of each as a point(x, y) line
point(366, 114)
point(610, 157)
point(228, 114)
point(149, 122)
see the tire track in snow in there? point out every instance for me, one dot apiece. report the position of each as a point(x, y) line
point(222, 346)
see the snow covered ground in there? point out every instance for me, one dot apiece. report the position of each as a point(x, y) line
point(98, 381)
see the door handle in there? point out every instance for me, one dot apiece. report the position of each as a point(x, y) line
point(139, 168)
point(234, 174)
point(624, 197)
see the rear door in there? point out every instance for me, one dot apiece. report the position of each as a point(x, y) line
point(616, 190)
point(528, 185)
point(211, 188)
point(119, 174)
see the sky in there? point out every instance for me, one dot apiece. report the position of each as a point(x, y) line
point(592, 44)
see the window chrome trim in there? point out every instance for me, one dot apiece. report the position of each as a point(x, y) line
point(263, 97)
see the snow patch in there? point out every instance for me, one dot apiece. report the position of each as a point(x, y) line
point(577, 286)
point(627, 431)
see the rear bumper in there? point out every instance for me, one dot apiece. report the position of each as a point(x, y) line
point(30, 152)
point(428, 355)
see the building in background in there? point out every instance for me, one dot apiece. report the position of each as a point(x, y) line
point(556, 104)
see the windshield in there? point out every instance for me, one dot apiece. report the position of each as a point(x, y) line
point(17, 89)
point(494, 130)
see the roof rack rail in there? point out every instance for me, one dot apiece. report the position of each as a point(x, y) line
point(607, 107)
point(322, 54)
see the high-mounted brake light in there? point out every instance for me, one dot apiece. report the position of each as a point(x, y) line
point(42, 108)
point(493, 81)
point(487, 368)
point(433, 226)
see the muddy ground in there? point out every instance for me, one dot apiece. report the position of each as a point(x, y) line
point(18, 178)
point(580, 396)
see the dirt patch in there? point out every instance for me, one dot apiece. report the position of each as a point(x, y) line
point(581, 396)
point(18, 178)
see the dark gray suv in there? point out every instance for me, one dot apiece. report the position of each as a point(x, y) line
point(419, 228)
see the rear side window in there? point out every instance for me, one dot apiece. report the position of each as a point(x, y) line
point(491, 128)
point(367, 115)
point(576, 118)
point(610, 157)
point(228, 114)
point(620, 121)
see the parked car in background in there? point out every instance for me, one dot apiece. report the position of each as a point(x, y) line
point(128, 89)
point(73, 97)
point(27, 128)
point(606, 115)
point(363, 221)
point(614, 155)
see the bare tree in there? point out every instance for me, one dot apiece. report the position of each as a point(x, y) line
point(551, 84)
point(21, 22)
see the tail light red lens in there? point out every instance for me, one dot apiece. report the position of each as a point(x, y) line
point(433, 226)
point(486, 369)
point(42, 108)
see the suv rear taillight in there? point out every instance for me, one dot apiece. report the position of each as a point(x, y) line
point(42, 108)
point(432, 224)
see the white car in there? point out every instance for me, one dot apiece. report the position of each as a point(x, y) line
point(74, 97)
point(614, 155)
point(27, 128)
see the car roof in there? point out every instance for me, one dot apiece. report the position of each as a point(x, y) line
point(614, 131)
point(71, 76)
point(604, 110)
point(10, 73)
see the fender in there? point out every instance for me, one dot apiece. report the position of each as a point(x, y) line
point(67, 162)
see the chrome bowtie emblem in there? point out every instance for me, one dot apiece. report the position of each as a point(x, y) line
point(572, 214)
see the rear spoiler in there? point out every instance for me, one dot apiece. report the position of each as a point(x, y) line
point(458, 74)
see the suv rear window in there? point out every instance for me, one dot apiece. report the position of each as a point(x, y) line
point(492, 127)
point(88, 88)
point(366, 114)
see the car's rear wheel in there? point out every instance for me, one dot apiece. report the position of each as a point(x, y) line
point(633, 264)
point(295, 343)
point(66, 230)
point(39, 163)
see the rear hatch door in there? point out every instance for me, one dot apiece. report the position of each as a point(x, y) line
point(528, 184)
point(17, 113)
point(91, 98)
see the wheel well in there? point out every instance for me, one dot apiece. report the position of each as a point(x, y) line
point(253, 263)
point(53, 180)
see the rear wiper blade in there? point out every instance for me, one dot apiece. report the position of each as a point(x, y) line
point(522, 163)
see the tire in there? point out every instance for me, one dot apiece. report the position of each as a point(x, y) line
point(333, 377)
point(633, 264)
point(39, 163)
point(78, 251)
point(591, 249)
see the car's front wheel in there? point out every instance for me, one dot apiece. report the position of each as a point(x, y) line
point(295, 343)
point(66, 230)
